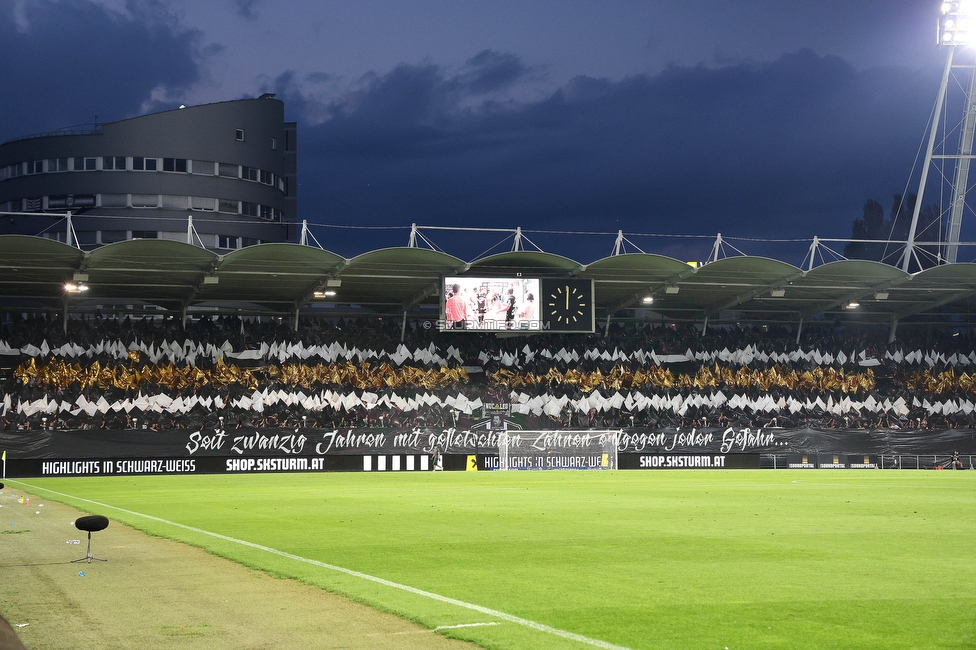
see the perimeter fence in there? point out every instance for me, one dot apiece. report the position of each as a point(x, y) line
point(834, 461)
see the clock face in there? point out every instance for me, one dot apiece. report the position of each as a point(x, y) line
point(568, 305)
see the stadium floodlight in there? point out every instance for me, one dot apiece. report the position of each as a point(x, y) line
point(956, 22)
point(71, 287)
point(648, 300)
point(853, 305)
point(957, 30)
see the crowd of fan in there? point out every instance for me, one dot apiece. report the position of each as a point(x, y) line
point(488, 362)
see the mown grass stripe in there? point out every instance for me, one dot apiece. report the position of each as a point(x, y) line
point(358, 574)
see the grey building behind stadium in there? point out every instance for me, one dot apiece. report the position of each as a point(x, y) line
point(231, 166)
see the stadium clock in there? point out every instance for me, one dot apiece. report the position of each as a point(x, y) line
point(567, 305)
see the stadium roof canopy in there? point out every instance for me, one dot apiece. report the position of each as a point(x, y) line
point(279, 279)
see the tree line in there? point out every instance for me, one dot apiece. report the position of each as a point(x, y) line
point(893, 228)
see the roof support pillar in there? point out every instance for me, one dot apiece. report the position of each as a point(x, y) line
point(403, 328)
point(70, 236)
point(894, 327)
point(799, 330)
point(191, 232)
point(183, 315)
point(704, 326)
point(64, 314)
point(619, 244)
point(716, 249)
point(298, 310)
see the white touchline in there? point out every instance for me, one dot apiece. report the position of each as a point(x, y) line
point(365, 576)
point(454, 627)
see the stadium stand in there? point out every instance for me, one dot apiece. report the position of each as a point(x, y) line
point(151, 373)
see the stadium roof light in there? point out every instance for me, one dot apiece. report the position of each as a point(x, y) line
point(956, 22)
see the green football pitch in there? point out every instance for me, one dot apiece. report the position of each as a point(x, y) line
point(666, 559)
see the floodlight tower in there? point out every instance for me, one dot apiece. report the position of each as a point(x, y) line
point(957, 29)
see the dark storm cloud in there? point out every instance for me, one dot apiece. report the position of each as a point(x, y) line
point(787, 148)
point(488, 71)
point(247, 8)
point(69, 60)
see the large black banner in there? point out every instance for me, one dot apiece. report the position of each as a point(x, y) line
point(85, 452)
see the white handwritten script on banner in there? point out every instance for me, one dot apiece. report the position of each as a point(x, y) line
point(309, 442)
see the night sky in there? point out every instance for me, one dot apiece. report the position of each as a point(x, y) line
point(751, 118)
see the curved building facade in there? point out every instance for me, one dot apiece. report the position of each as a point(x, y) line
point(230, 165)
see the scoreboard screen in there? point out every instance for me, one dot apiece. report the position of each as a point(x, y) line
point(517, 304)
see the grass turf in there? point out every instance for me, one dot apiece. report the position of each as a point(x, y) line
point(686, 559)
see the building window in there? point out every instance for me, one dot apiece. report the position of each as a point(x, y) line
point(145, 234)
point(87, 237)
point(174, 202)
point(239, 134)
point(145, 200)
point(57, 164)
point(35, 167)
point(267, 212)
point(202, 167)
point(85, 164)
point(174, 165)
point(144, 164)
point(226, 205)
point(250, 209)
point(202, 203)
point(114, 200)
point(250, 173)
point(111, 236)
point(18, 169)
point(229, 171)
point(113, 162)
point(249, 241)
point(226, 241)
